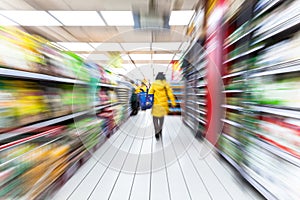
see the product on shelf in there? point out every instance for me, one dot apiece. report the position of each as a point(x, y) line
point(231, 149)
point(22, 51)
point(33, 161)
point(278, 176)
point(261, 69)
point(277, 91)
point(281, 52)
point(289, 14)
point(280, 132)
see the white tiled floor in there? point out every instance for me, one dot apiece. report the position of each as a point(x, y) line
point(133, 165)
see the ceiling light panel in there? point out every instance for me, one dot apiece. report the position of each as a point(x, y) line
point(106, 46)
point(136, 46)
point(125, 57)
point(76, 46)
point(6, 22)
point(118, 18)
point(181, 17)
point(163, 56)
point(78, 18)
point(165, 46)
point(96, 57)
point(31, 18)
point(146, 57)
point(128, 67)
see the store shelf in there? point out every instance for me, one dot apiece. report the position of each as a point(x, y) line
point(189, 125)
point(4, 72)
point(244, 54)
point(232, 107)
point(239, 38)
point(172, 110)
point(196, 118)
point(193, 72)
point(105, 106)
point(200, 103)
point(267, 8)
point(258, 185)
point(235, 124)
point(200, 112)
point(33, 137)
point(201, 76)
point(292, 67)
point(276, 66)
point(246, 176)
point(200, 120)
point(176, 101)
point(201, 66)
point(35, 126)
point(277, 151)
point(231, 161)
point(277, 111)
point(234, 74)
point(196, 102)
point(200, 86)
point(111, 86)
point(197, 78)
point(232, 91)
point(178, 93)
point(200, 94)
point(190, 108)
point(291, 23)
point(232, 139)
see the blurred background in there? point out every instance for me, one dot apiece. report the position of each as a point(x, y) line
point(69, 70)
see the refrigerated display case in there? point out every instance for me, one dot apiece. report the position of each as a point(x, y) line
point(262, 104)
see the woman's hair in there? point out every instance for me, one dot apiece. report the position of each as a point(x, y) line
point(160, 76)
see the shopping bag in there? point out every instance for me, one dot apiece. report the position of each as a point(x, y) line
point(146, 100)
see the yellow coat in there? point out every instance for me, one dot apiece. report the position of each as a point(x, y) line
point(140, 89)
point(160, 89)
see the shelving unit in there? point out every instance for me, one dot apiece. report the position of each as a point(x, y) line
point(194, 106)
point(262, 114)
point(178, 89)
point(50, 121)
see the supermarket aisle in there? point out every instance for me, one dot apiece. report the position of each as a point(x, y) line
point(133, 165)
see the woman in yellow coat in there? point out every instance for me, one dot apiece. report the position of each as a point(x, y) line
point(162, 93)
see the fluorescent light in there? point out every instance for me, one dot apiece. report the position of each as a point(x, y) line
point(181, 17)
point(6, 22)
point(31, 18)
point(95, 57)
point(140, 56)
point(76, 46)
point(78, 18)
point(160, 65)
point(166, 46)
point(136, 46)
point(125, 57)
point(162, 56)
point(128, 67)
point(106, 46)
point(118, 18)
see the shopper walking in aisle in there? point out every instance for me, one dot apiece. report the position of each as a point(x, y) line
point(162, 93)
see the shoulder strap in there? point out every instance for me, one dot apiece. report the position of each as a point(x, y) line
point(166, 91)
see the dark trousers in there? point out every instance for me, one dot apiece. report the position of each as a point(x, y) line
point(158, 123)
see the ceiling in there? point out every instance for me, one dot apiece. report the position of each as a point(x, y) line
point(110, 39)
